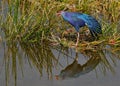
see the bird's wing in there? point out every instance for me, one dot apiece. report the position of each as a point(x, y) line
point(92, 23)
point(77, 23)
point(74, 20)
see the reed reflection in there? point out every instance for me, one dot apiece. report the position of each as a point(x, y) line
point(36, 55)
point(41, 57)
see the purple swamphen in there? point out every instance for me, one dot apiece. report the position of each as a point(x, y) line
point(78, 20)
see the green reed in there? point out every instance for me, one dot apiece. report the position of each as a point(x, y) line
point(35, 21)
point(28, 21)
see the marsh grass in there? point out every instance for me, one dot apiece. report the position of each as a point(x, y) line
point(26, 21)
point(35, 21)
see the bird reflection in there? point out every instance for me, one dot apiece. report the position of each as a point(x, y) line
point(75, 69)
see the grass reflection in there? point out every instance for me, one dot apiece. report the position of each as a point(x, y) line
point(41, 57)
point(10, 60)
point(38, 56)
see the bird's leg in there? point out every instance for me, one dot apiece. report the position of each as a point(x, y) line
point(76, 56)
point(78, 36)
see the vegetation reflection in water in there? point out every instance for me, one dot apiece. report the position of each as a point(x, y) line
point(38, 56)
point(41, 57)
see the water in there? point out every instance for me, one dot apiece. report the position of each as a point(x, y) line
point(36, 65)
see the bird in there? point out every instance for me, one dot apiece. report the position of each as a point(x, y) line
point(78, 20)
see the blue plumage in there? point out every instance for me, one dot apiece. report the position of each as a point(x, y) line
point(78, 20)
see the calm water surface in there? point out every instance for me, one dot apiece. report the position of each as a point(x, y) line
point(24, 66)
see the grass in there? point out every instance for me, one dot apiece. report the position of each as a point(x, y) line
point(25, 21)
point(35, 21)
